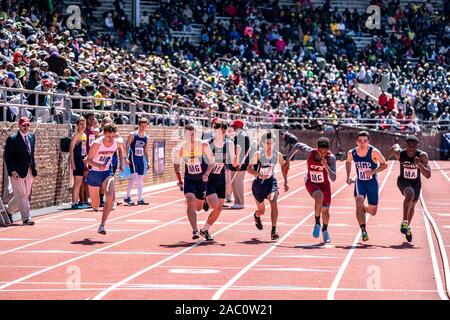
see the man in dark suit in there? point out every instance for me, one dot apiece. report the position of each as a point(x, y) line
point(21, 166)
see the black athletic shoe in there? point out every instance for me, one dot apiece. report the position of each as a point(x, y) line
point(101, 229)
point(128, 201)
point(206, 235)
point(195, 235)
point(408, 234)
point(258, 222)
point(274, 236)
point(142, 202)
point(205, 206)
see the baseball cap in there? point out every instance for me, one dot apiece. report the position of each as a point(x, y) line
point(24, 120)
point(411, 138)
point(238, 123)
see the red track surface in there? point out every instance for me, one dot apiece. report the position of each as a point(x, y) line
point(148, 252)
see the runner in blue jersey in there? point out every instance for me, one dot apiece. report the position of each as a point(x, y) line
point(198, 164)
point(368, 162)
point(138, 146)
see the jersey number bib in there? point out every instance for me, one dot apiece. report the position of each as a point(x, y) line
point(194, 168)
point(317, 176)
point(362, 174)
point(409, 173)
point(218, 168)
point(139, 151)
point(265, 171)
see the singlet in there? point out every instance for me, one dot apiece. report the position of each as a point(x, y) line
point(364, 164)
point(266, 166)
point(104, 155)
point(316, 172)
point(222, 158)
point(80, 149)
point(195, 162)
point(137, 147)
point(90, 135)
point(408, 169)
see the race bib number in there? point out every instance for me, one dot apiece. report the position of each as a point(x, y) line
point(218, 168)
point(139, 151)
point(317, 176)
point(91, 139)
point(409, 173)
point(194, 168)
point(362, 175)
point(105, 159)
point(265, 171)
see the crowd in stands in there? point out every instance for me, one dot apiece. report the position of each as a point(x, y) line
point(291, 63)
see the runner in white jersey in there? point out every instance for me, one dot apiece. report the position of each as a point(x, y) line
point(100, 174)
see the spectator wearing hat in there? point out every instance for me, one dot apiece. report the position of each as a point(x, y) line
point(238, 173)
point(21, 167)
point(55, 62)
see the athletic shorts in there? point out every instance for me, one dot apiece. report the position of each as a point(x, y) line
point(217, 186)
point(197, 187)
point(404, 183)
point(261, 189)
point(96, 178)
point(79, 167)
point(137, 165)
point(367, 189)
point(114, 163)
point(324, 187)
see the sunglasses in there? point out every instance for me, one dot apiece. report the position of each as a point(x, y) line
point(25, 125)
point(220, 125)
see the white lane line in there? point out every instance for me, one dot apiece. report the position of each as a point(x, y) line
point(141, 221)
point(102, 294)
point(15, 239)
point(443, 294)
point(236, 277)
point(444, 214)
point(117, 243)
point(337, 279)
point(193, 271)
point(80, 219)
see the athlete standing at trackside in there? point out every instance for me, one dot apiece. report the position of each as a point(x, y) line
point(224, 154)
point(262, 166)
point(321, 166)
point(138, 144)
point(368, 162)
point(198, 164)
point(78, 147)
point(413, 163)
point(91, 134)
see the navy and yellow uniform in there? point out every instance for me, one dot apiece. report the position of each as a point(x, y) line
point(137, 153)
point(195, 165)
point(366, 186)
point(261, 189)
point(217, 180)
point(79, 153)
point(409, 173)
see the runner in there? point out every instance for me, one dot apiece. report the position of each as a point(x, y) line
point(224, 154)
point(198, 164)
point(368, 162)
point(321, 166)
point(265, 185)
point(413, 163)
point(138, 144)
point(78, 147)
point(100, 174)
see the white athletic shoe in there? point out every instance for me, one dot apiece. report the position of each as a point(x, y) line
point(237, 206)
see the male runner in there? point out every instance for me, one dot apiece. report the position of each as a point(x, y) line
point(198, 164)
point(78, 147)
point(413, 163)
point(321, 165)
point(265, 186)
point(224, 154)
point(100, 174)
point(368, 162)
point(138, 144)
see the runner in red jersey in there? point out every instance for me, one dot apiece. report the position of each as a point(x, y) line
point(321, 169)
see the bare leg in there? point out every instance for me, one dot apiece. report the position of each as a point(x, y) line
point(76, 189)
point(273, 197)
point(409, 194)
point(216, 204)
point(190, 210)
point(411, 212)
point(326, 215)
point(360, 214)
point(318, 200)
point(95, 197)
point(108, 186)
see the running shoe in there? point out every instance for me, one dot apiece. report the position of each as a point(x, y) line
point(316, 231)
point(77, 206)
point(85, 205)
point(326, 236)
point(142, 202)
point(101, 229)
point(206, 235)
point(408, 234)
point(205, 206)
point(102, 203)
point(274, 235)
point(365, 235)
point(258, 222)
point(195, 235)
point(128, 201)
point(404, 227)
point(228, 200)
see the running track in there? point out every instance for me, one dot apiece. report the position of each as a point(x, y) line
point(148, 252)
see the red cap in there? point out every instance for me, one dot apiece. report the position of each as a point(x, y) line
point(47, 82)
point(214, 120)
point(24, 120)
point(238, 123)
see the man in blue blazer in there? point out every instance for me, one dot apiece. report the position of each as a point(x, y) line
point(21, 166)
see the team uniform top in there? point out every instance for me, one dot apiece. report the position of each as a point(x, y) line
point(80, 149)
point(222, 159)
point(316, 171)
point(266, 166)
point(195, 162)
point(137, 147)
point(90, 134)
point(364, 164)
point(409, 171)
point(104, 155)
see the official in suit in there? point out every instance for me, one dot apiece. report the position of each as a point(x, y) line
point(21, 166)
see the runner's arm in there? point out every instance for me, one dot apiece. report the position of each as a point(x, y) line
point(394, 151)
point(73, 142)
point(281, 160)
point(252, 162)
point(211, 160)
point(128, 144)
point(92, 152)
point(330, 166)
point(348, 166)
point(298, 147)
point(234, 153)
point(423, 165)
point(176, 158)
point(120, 153)
point(147, 153)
